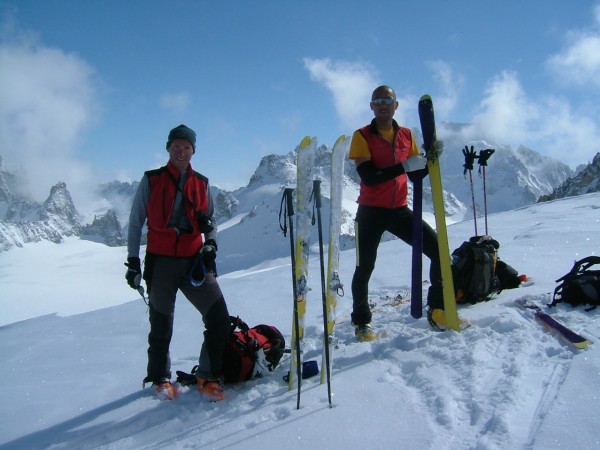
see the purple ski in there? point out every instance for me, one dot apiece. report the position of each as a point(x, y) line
point(552, 324)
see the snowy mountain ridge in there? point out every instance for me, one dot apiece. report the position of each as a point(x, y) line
point(51, 221)
point(513, 179)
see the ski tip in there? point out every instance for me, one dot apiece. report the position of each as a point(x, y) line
point(582, 344)
point(305, 142)
point(425, 97)
point(340, 139)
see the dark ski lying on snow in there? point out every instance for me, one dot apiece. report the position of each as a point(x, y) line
point(569, 335)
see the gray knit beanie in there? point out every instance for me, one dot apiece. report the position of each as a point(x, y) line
point(182, 132)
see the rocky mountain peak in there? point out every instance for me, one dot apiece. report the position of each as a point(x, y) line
point(59, 206)
point(106, 229)
point(585, 181)
point(275, 169)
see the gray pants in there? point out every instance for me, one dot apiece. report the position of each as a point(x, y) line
point(166, 276)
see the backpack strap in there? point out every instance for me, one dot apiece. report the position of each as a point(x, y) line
point(557, 292)
point(585, 263)
point(581, 266)
point(236, 323)
point(187, 379)
point(578, 267)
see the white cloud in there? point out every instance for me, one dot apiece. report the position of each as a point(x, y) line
point(579, 61)
point(505, 111)
point(450, 85)
point(548, 124)
point(176, 103)
point(350, 84)
point(47, 99)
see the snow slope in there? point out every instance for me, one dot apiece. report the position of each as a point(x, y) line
point(73, 351)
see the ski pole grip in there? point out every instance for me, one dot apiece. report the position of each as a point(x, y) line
point(290, 201)
point(317, 192)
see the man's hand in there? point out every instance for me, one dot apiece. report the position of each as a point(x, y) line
point(134, 272)
point(209, 252)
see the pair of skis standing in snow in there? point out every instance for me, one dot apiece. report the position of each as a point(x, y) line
point(307, 192)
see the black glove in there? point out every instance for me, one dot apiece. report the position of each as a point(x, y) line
point(209, 252)
point(484, 155)
point(470, 156)
point(134, 272)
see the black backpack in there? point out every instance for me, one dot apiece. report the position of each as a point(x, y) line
point(581, 286)
point(248, 353)
point(478, 273)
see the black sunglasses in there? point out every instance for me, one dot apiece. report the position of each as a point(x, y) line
point(381, 101)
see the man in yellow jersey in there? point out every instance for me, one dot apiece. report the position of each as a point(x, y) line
point(384, 153)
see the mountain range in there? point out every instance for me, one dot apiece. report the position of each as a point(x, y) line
point(512, 179)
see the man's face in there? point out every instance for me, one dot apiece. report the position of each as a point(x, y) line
point(384, 104)
point(180, 153)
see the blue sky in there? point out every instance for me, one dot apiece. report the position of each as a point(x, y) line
point(90, 89)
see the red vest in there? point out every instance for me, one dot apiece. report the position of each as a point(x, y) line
point(163, 240)
point(391, 193)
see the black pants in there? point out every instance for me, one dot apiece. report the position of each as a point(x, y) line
point(371, 223)
point(169, 275)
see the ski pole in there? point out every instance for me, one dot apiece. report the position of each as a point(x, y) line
point(484, 155)
point(287, 202)
point(317, 199)
point(470, 156)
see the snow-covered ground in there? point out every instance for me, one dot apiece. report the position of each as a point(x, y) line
point(73, 351)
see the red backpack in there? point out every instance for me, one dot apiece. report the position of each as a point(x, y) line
point(248, 353)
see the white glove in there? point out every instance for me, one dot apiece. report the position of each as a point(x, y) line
point(413, 163)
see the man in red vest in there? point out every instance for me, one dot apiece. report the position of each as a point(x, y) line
point(384, 153)
point(174, 202)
